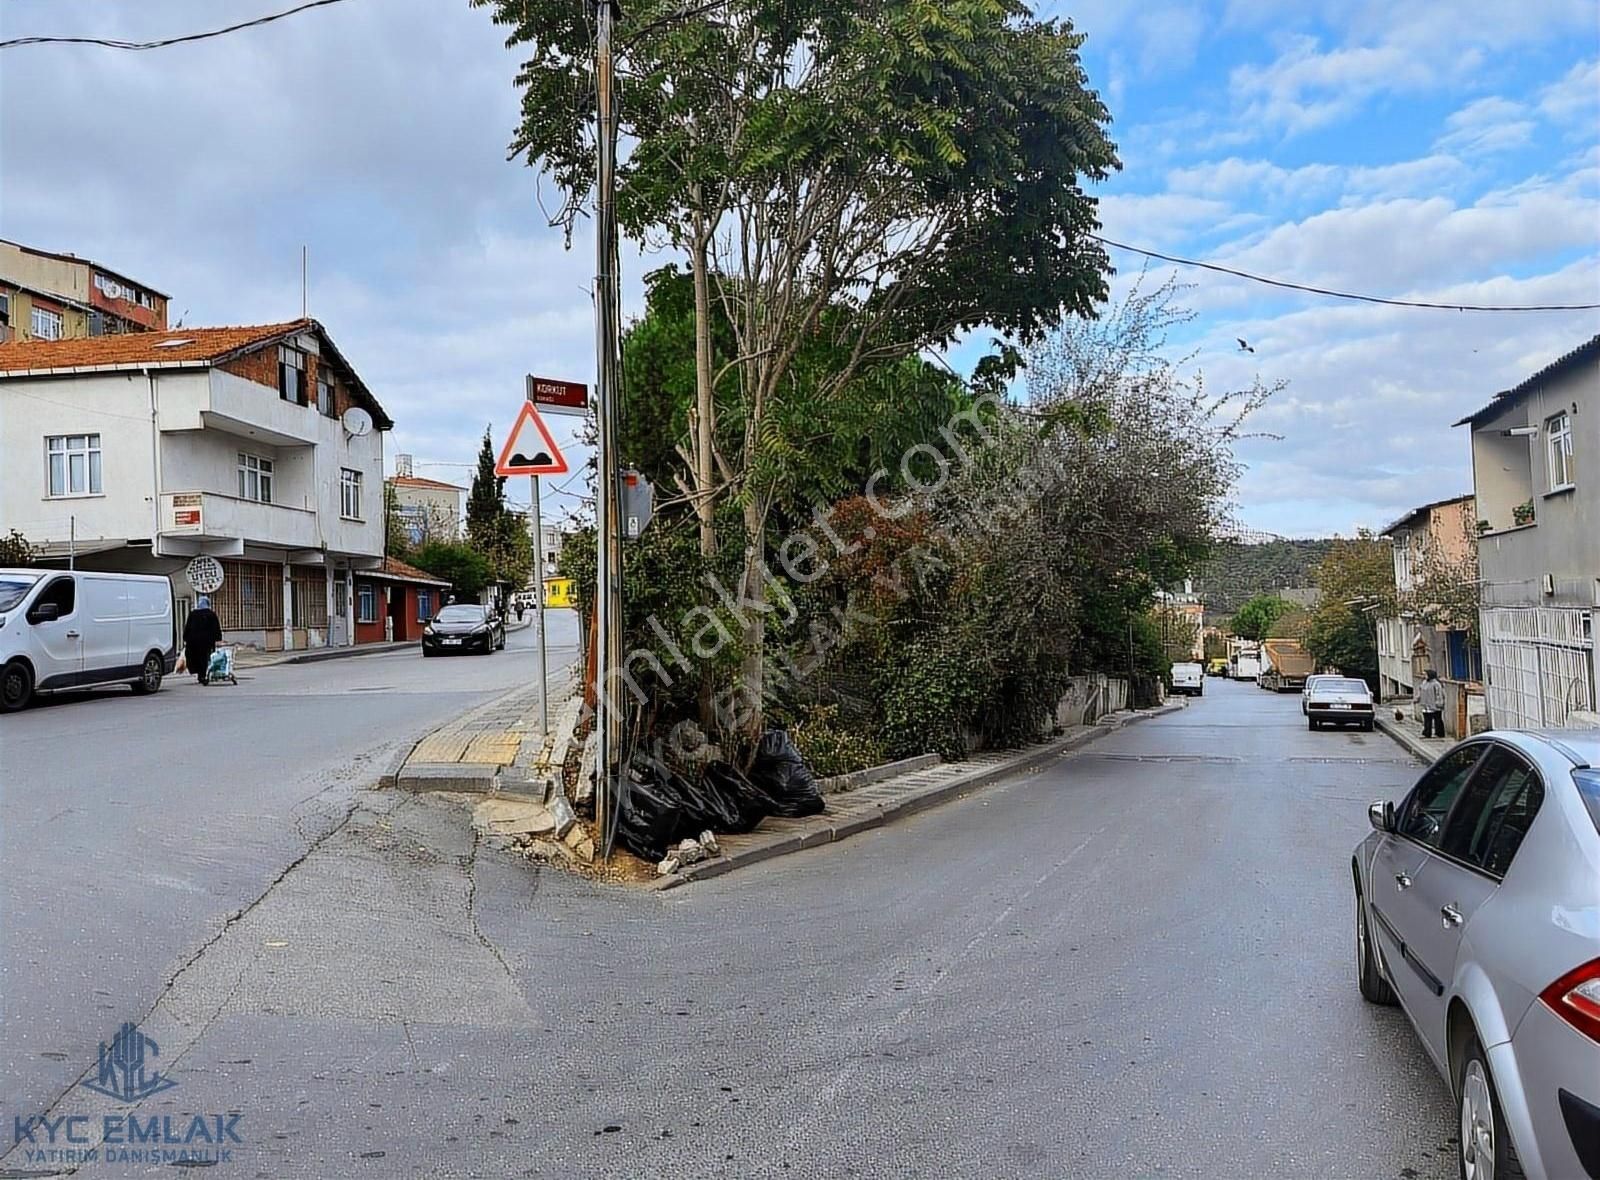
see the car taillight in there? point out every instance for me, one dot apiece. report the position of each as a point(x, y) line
point(1575, 997)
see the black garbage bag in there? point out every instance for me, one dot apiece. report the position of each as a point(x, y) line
point(651, 816)
point(707, 806)
point(750, 803)
point(782, 774)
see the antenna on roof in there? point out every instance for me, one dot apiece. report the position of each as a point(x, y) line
point(303, 252)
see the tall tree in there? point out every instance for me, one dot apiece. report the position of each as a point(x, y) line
point(486, 498)
point(1255, 618)
point(823, 158)
point(1356, 584)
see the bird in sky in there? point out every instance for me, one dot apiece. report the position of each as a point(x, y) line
point(1243, 347)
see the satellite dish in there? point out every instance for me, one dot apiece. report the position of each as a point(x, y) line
point(357, 421)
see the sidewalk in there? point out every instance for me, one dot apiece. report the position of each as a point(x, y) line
point(895, 798)
point(1408, 732)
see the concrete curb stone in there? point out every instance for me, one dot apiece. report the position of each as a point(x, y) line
point(1409, 744)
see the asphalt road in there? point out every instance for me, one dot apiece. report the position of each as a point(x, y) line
point(134, 827)
point(1135, 963)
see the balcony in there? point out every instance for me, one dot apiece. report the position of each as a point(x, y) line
point(206, 522)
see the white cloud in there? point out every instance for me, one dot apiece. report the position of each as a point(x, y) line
point(1486, 125)
point(1575, 97)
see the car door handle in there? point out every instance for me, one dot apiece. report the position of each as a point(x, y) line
point(1452, 916)
point(72, 635)
point(1401, 881)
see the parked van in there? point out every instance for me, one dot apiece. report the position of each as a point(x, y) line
point(1188, 678)
point(62, 629)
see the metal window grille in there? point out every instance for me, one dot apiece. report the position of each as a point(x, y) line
point(310, 598)
point(250, 598)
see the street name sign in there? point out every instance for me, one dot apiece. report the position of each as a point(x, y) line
point(558, 397)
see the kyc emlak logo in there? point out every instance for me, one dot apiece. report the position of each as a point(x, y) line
point(126, 1073)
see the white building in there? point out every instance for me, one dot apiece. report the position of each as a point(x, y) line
point(259, 446)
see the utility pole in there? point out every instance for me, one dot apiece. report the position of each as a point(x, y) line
point(538, 583)
point(608, 719)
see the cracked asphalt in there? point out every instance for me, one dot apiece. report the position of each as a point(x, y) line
point(133, 828)
point(1136, 962)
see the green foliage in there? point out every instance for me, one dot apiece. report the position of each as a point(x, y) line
point(498, 534)
point(15, 549)
point(459, 564)
point(1291, 624)
point(1356, 581)
point(1255, 618)
point(1237, 572)
point(831, 747)
point(928, 695)
point(396, 540)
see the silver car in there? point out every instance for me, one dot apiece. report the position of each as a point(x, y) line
point(1478, 911)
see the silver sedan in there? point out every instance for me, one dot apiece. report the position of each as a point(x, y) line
point(1478, 911)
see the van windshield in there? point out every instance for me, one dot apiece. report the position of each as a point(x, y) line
point(12, 590)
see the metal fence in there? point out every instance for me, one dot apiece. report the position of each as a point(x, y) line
point(1538, 664)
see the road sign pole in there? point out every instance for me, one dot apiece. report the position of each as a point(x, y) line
point(538, 591)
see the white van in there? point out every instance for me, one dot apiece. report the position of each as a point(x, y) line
point(1188, 678)
point(62, 629)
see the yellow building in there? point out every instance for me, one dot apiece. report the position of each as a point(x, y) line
point(48, 296)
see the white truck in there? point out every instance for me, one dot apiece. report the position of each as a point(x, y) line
point(1244, 660)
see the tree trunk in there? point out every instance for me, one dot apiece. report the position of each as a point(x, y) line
point(705, 424)
point(752, 669)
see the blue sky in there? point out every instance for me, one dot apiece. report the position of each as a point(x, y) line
point(1440, 149)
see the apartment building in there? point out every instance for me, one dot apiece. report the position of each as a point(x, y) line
point(259, 446)
point(1536, 473)
point(50, 296)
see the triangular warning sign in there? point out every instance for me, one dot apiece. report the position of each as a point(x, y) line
point(530, 452)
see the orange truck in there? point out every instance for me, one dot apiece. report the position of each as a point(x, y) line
point(1285, 664)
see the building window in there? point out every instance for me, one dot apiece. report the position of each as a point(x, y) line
point(349, 494)
point(292, 375)
point(255, 478)
point(325, 392)
point(73, 462)
point(424, 606)
point(250, 597)
point(1563, 473)
point(46, 324)
point(366, 603)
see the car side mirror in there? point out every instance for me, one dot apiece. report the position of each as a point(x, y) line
point(45, 612)
point(1381, 816)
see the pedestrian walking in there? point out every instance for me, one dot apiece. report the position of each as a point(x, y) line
point(201, 634)
point(1430, 701)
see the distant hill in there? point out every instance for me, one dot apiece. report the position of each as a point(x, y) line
point(1238, 572)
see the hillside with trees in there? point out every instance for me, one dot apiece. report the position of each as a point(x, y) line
point(1238, 572)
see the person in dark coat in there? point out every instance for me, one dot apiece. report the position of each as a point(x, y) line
point(201, 634)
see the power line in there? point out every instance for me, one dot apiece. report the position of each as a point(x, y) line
point(164, 42)
point(1255, 278)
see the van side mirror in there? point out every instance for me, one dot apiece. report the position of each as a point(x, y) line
point(1381, 816)
point(45, 612)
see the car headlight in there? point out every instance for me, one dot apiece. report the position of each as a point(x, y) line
point(428, 630)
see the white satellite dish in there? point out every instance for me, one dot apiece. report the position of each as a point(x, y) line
point(357, 421)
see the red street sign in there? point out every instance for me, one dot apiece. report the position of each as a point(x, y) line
point(529, 449)
point(547, 391)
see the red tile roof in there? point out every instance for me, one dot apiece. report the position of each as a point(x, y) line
point(417, 481)
point(189, 347)
point(173, 347)
point(393, 567)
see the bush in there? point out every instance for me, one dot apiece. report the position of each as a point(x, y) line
point(830, 747)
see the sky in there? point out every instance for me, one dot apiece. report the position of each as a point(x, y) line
point(1444, 150)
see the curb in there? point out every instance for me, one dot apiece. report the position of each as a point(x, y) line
point(830, 830)
point(876, 774)
point(1403, 738)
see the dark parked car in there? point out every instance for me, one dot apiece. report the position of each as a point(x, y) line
point(464, 627)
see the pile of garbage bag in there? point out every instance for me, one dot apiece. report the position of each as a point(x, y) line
point(661, 808)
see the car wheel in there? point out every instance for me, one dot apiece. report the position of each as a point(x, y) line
point(1367, 726)
point(16, 687)
point(426, 654)
point(150, 675)
point(1375, 988)
point(1486, 1149)
point(1311, 724)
